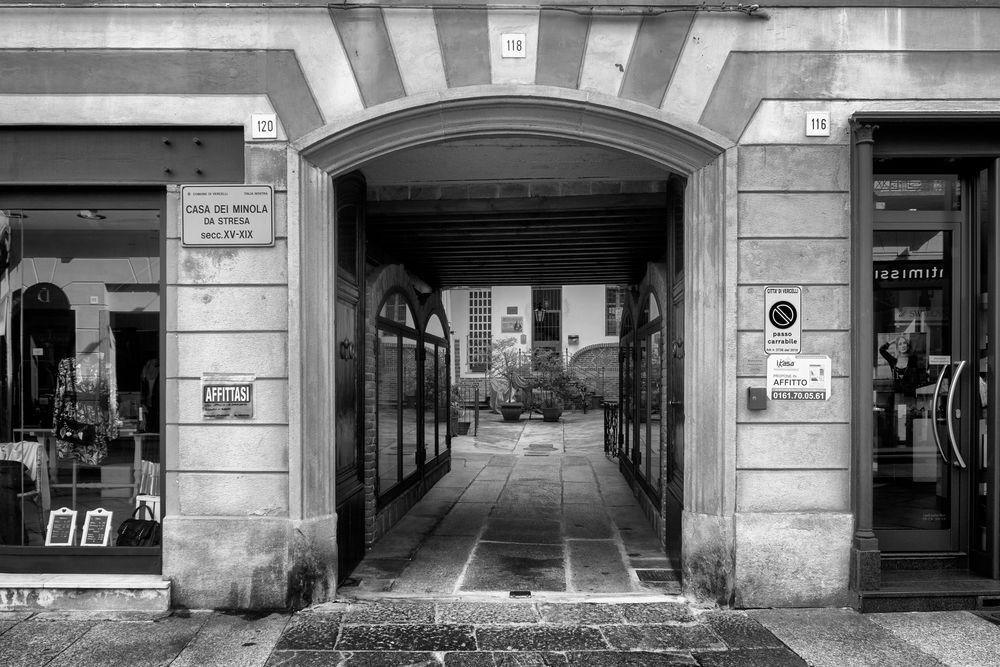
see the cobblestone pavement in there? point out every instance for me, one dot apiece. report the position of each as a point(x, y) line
point(494, 633)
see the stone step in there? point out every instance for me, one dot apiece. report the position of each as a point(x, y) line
point(876, 602)
point(84, 592)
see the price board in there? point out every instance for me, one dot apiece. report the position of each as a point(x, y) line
point(62, 528)
point(96, 528)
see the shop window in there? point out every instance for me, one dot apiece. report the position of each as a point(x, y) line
point(80, 407)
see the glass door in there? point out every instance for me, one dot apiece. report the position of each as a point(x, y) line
point(923, 383)
point(918, 453)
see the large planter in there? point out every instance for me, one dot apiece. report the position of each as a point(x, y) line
point(551, 414)
point(462, 427)
point(511, 411)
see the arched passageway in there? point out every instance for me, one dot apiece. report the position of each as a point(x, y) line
point(516, 192)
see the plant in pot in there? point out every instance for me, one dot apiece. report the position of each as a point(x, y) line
point(551, 406)
point(558, 387)
point(508, 373)
point(458, 414)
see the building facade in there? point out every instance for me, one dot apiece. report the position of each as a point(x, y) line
point(849, 151)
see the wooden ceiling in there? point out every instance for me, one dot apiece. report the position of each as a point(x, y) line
point(455, 240)
point(593, 239)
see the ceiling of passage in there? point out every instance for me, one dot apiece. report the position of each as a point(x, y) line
point(516, 211)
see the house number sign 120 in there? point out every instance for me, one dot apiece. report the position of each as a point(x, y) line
point(513, 45)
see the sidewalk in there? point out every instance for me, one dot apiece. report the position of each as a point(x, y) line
point(473, 634)
point(530, 508)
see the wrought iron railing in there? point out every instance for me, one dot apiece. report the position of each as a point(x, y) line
point(611, 429)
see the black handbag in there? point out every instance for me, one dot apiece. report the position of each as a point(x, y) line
point(136, 532)
point(75, 432)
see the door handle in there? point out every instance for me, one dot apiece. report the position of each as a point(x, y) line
point(934, 405)
point(959, 461)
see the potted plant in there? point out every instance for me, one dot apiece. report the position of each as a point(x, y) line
point(507, 372)
point(559, 388)
point(551, 406)
point(457, 414)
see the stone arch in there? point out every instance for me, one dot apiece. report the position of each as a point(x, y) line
point(589, 118)
point(705, 158)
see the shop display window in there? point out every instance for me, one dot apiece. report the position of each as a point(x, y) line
point(80, 354)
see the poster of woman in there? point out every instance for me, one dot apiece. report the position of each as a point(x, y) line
point(902, 362)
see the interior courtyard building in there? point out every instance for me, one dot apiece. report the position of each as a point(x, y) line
point(218, 219)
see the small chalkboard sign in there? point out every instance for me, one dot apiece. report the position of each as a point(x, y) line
point(62, 528)
point(96, 528)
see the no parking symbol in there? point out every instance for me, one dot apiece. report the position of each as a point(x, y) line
point(782, 319)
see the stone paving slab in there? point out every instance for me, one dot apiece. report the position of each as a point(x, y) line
point(596, 566)
point(754, 657)
point(136, 644)
point(487, 613)
point(499, 566)
point(437, 566)
point(36, 642)
point(541, 638)
point(588, 521)
point(662, 638)
point(465, 518)
point(523, 530)
point(953, 637)
point(225, 639)
point(582, 613)
point(841, 638)
point(417, 637)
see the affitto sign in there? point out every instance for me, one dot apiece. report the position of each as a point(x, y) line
point(227, 215)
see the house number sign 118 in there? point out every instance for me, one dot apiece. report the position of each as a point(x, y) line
point(513, 45)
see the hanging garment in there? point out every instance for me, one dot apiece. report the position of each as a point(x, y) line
point(149, 396)
point(83, 397)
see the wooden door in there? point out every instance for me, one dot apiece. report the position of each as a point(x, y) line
point(349, 354)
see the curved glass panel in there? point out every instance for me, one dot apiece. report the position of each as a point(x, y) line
point(410, 408)
point(643, 437)
point(655, 409)
point(396, 309)
point(430, 401)
point(653, 308)
point(434, 327)
point(388, 402)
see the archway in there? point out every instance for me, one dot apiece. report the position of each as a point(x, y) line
point(698, 155)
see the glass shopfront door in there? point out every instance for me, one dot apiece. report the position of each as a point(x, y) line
point(931, 369)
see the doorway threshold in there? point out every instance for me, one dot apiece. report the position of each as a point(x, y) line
point(931, 590)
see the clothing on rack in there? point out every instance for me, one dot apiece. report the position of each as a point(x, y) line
point(149, 395)
point(85, 394)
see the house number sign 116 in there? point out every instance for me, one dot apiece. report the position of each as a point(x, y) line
point(817, 123)
point(513, 45)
